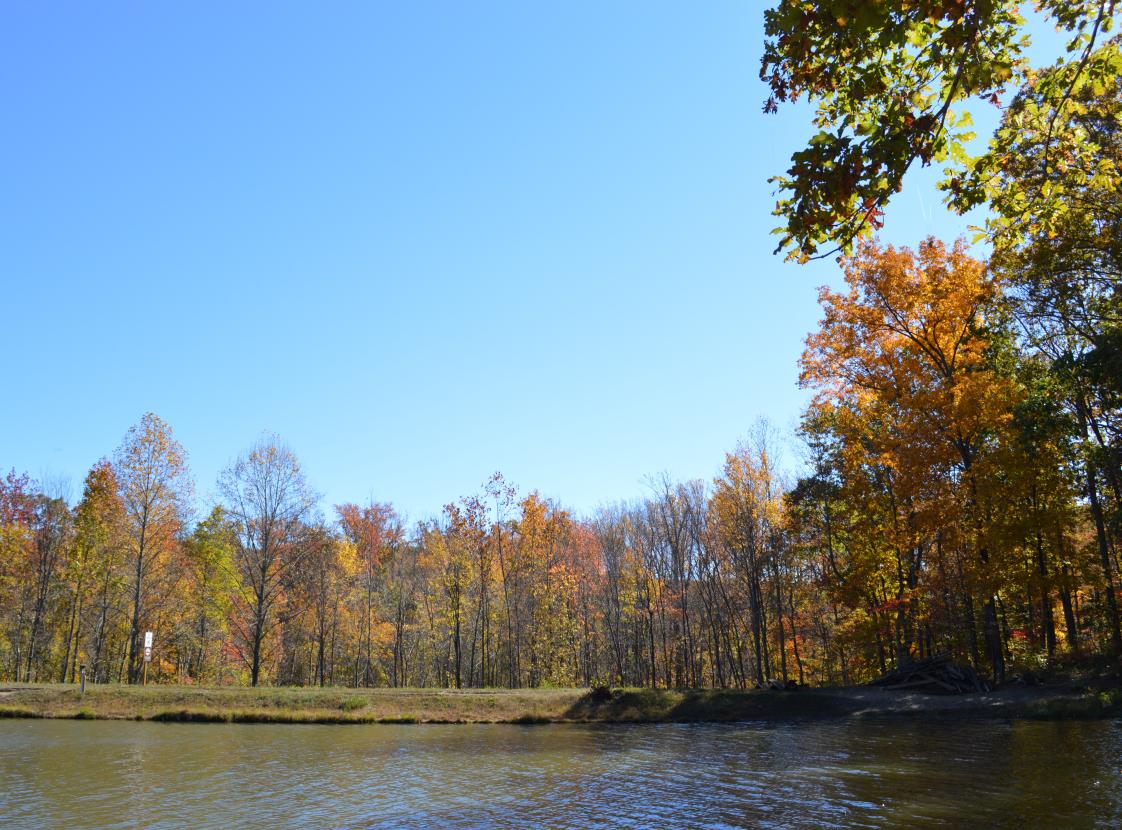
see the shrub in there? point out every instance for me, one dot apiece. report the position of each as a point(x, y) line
point(353, 703)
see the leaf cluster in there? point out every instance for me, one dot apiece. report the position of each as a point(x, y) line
point(886, 77)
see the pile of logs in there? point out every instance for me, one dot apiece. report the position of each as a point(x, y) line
point(934, 676)
point(783, 685)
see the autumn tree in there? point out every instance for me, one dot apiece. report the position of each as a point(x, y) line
point(370, 530)
point(747, 510)
point(16, 509)
point(400, 589)
point(452, 544)
point(267, 498)
point(328, 569)
point(156, 490)
point(210, 582)
point(53, 537)
point(92, 571)
point(817, 517)
point(542, 534)
point(904, 358)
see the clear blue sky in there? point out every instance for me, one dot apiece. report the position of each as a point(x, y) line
point(421, 242)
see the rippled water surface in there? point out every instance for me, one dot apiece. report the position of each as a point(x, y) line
point(811, 774)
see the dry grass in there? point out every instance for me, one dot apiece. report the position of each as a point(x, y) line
point(523, 706)
point(287, 705)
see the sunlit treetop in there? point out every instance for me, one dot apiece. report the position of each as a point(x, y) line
point(1056, 158)
point(892, 82)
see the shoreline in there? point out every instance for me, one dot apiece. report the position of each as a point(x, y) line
point(292, 705)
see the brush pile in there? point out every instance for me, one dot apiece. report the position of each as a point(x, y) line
point(937, 675)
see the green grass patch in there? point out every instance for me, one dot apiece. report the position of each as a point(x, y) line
point(18, 712)
point(1086, 707)
point(352, 704)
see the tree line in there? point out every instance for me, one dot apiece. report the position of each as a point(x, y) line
point(960, 492)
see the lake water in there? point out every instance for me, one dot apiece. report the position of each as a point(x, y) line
point(896, 773)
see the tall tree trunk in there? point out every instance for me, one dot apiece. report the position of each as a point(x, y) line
point(1069, 612)
point(1104, 558)
point(1048, 623)
point(134, 628)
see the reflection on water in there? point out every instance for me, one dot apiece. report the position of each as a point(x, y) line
point(811, 774)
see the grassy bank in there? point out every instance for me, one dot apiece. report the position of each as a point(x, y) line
point(300, 705)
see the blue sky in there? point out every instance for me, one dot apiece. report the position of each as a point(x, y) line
point(421, 242)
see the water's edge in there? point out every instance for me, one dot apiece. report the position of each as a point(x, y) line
point(187, 704)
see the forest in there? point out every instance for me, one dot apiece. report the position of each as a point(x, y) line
point(959, 493)
point(957, 487)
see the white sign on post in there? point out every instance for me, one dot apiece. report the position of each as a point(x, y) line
point(147, 646)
